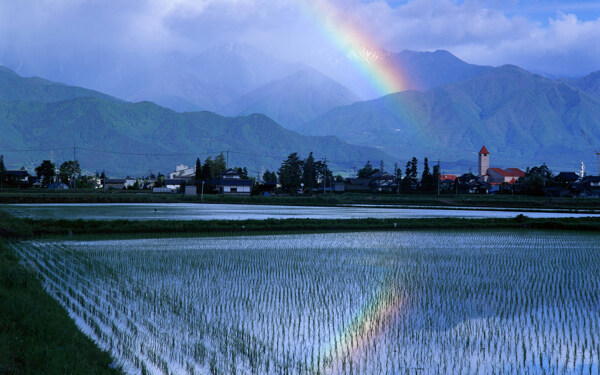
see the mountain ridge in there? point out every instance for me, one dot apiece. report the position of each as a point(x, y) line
point(125, 138)
point(294, 99)
point(521, 118)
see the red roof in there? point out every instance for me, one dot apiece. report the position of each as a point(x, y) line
point(484, 151)
point(509, 172)
point(501, 172)
point(516, 172)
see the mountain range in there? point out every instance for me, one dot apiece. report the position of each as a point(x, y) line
point(452, 110)
point(295, 99)
point(130, 138)
point(523, 119)
point(237, 79)
point(419, 70)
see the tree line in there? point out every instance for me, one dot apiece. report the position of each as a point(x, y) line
point(296, 174)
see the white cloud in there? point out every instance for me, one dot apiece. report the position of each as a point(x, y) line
point(45, 31)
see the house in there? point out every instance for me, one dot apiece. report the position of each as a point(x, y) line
point(447, 185)
point(501, 176)
point(591, 181)
point(17, 178)
point(267, 189)
point(231, 183)
point(383, 182)
point(450, 177)
point(379, 182)
point(567, 177)
point(130, 182)
point(114, 183)
point(495, 176)
point(183, 172)
point(468, 183)
point(358, 185)
point(174, 183)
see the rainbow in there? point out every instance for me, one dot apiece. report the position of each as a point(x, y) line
point(337, 25)
point(366, 325)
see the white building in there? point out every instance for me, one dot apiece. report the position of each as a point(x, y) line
point(495, 175)
point(183, 172)
point(231, 183)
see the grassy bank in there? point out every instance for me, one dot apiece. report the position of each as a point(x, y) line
point(36, 334)
point(28, 228)
point(95, 196)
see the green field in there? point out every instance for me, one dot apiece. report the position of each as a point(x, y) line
point(431, 302)
point(470, 200)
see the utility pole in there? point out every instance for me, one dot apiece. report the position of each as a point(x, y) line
point(439, 176)
point(74, 161)
point(324, 174)
point(227, 162)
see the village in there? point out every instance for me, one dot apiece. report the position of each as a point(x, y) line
point(296, 177)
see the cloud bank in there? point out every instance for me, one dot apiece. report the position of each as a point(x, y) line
point(76, 37)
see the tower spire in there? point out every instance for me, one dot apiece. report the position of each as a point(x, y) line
point(484, 162)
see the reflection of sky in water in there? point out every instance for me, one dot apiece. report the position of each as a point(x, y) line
point(402, 302)
point(190, 211)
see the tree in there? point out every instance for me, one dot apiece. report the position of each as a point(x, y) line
point(309, 173)
point(397, 172)
point(339, 178)
point(207, 170)
point(410, 181)
point(426, 178)
point(160, 180)
point(535, 180)
point(366, 171)
point(69, 170)
point(269, 177)
point(219, 166)
point(324, 174)
point(2, 171)
point(45, 172)
point(290, 173)
point(198, 174)
point(436, 177)
point(381, 166)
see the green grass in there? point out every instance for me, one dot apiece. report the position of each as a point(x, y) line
point(42, 228)
point(466, 200)
point(36, 334)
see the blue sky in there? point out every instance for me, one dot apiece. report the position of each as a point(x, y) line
point(46, 36)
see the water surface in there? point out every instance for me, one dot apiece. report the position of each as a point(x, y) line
point(195, 211)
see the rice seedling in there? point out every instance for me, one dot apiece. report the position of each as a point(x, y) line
point(352, 303)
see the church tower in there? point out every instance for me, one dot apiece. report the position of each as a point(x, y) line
point(484, 162)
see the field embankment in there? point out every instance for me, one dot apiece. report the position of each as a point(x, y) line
point(10, 196)
point(37, 336)
point(31, 228)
